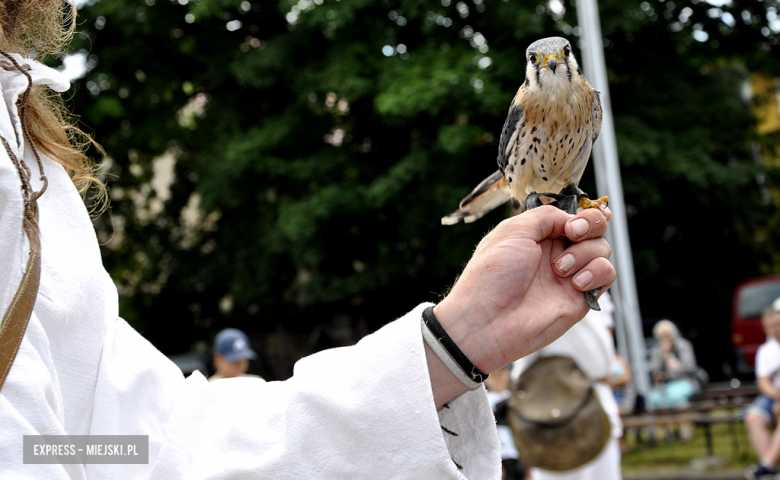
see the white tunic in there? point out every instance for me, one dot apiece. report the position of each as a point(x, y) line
point(589, 343)
point(365, 411)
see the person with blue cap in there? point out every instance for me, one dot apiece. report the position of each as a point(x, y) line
point(232, 354)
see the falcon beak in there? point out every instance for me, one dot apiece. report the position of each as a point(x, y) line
point(551, 62)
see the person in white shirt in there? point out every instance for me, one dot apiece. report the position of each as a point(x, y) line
point(590, 344)
point(380, 407)
point(760, 418)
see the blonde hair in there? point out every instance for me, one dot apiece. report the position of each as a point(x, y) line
point(664, 325)
point(40, 28)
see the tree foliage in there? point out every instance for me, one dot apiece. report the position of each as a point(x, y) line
point(311, 147)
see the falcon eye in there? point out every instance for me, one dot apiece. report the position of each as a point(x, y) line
point(534, 59)
point(566, 52)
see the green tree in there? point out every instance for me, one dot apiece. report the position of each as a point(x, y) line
point(313, 145)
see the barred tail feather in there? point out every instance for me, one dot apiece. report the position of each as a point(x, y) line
point(489, 194)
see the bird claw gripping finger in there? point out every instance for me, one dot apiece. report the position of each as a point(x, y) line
point(600, 203)
point(591, 299)
point(569, 203)
point(533, 201)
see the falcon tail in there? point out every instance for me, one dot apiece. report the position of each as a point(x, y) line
point(489, 194)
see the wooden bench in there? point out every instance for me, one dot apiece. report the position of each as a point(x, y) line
point(700, 412)
point(725, 394)
point(703, 420)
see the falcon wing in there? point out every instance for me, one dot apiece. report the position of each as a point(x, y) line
point(509, 134)
point(492, 191)
point(595, 111)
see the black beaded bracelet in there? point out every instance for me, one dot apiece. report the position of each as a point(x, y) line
point(451, 349)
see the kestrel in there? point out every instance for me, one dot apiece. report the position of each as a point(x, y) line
point(546, 141)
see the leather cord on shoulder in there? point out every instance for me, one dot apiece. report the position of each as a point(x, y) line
point(17, 316)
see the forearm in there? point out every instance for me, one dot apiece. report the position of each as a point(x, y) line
point(444, 384)
point(766, 387)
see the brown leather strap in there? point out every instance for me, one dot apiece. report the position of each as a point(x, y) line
point(19, 311)
point(18, 314)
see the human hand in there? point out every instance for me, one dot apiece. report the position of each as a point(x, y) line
point(667, 345)
point(672, 364)
point(521, 290)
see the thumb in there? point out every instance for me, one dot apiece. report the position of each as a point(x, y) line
point(540, 223)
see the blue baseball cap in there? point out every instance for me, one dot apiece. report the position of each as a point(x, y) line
point(233, 344)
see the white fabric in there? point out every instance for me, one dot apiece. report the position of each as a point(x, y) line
point(365, 411)
point(590, 344)
point(768, 360)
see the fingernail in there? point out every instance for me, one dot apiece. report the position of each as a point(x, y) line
point(583, 279)
point(564, 263)
point(580, 227)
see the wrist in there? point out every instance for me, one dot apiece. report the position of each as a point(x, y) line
point(463, 327)
point(448, 351)
point(446, 387)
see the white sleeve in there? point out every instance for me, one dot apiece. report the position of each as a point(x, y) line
point(365, 411)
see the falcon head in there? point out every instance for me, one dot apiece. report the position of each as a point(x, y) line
point(551, 65)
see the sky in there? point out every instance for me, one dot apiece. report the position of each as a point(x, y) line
point(74, 65)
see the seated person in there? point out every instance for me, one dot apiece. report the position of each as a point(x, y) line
point(760, 418)
point(672, 367)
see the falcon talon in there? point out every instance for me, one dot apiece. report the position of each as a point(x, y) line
point(591, 298)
